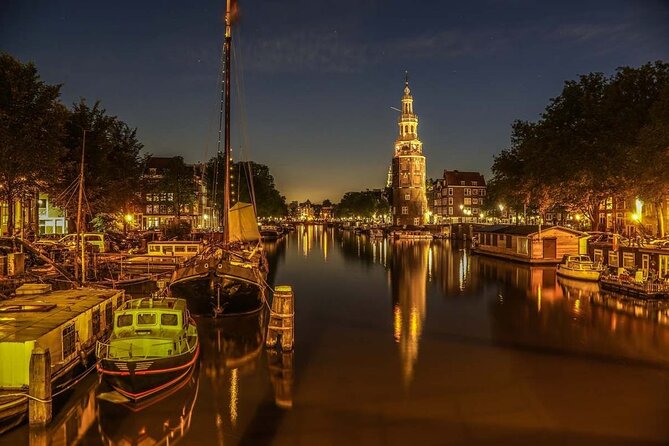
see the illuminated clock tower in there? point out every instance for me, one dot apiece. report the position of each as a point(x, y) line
point(408, 169)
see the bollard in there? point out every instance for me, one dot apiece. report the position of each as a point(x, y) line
point(38, 436)
point(281, 376)
point(281, 321)
point(39, 412)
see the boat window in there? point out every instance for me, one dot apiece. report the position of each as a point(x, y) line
point(124, 320)
point(146, 318)
point(179, 249)
point(154, 248)
point(192, 249)
point(167, 249)
point(169, 319)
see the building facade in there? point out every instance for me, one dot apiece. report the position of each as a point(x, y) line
point(157, 207)
point(409, 207)
point(458, 197)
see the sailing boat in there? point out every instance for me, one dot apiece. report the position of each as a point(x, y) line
point(228, 276)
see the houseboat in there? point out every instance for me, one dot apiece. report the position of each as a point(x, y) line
point(153, 347)
point(579, 267)
point(174, 248)
point(532, 244)
point(269, 232)
point(68, 323)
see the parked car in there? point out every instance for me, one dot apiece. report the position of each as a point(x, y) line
point(96, 240)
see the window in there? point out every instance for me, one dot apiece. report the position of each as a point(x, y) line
point(613, 258)
point(407, 197)
point(468, 201)
point(522, 245)
point(450, 211)
point(645, 262)
point(468, 191)
point(598, 256)
point(481, 201)
point(628, 260)
point(108, 314)
point(149, 197)
point(475, 201)
point(475, 191)
point(482, 192)
point(179, 249)
point(462, 183)
point(405, 210)
point(450, 201)
point(146, 318)
point(475, 183)
point(69, 340)
point(450, 191)
point(124, 320)
point(191, 248)
point(96, 321)
point(149, 209)
point(169, 319)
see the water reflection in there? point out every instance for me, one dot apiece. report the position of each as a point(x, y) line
point(72, 420)
point(231, 349)
point(409, 272)
point(164, 419)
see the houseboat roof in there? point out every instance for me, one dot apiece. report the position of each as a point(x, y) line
point(526, 230)
point(28, 317)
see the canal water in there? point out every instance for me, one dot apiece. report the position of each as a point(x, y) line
point(406, 343)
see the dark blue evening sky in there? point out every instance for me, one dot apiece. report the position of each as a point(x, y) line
point(318, 78)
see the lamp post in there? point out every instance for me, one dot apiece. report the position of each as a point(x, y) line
point(501, 211)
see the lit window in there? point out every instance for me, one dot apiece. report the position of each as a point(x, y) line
point(407, 197)
point(450, 201)
point(450, 191)
point(450, 211)
point(468, 201)
point(405, 210)
point(475, 183)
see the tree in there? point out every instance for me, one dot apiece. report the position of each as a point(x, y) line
point(31, 131)
point(178, 182)
point(112, 162)
point(582, 151)
point(269, 201)
point(364, 204)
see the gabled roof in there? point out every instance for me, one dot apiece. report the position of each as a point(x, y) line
point(455, 177)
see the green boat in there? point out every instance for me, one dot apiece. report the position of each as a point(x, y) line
point(154, 345)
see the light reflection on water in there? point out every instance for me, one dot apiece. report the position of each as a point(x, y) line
point(388, 330)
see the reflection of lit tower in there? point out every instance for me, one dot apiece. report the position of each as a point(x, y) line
point(408, 278)
point(408, 168)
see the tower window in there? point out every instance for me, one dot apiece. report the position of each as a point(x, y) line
point(405, 210)
point(407, 197)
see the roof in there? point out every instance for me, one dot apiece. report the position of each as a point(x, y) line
point(527, 229)
point(50, 311)
point(455, 178)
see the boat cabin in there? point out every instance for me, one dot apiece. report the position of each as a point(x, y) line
point(142, 325)
point(174, 248)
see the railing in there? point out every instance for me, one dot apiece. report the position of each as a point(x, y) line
point(102, 349)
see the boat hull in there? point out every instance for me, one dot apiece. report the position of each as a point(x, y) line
point(587, 275)
point(141, 379)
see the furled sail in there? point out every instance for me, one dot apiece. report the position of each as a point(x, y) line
point(243, 223)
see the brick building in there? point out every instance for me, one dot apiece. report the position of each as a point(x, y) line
point(409, 205)
point(458, 197)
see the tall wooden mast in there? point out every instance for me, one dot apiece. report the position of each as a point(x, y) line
point(226, 196)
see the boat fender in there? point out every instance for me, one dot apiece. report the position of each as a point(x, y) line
point(206, 266)
point(220, 265)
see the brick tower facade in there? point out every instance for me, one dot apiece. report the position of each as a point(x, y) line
point(408, 168)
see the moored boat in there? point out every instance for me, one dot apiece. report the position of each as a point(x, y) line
point(579, 267)
point(154, 345)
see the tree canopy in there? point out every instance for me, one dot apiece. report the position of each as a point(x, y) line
point(32, 125)
point(600, 138)
point(112, 162)
point(269, 201)
point(364, 204)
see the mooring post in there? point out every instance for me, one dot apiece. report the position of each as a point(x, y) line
point(39, 387)
point(281, 321)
